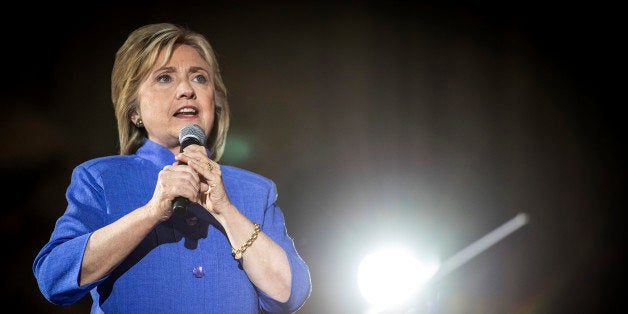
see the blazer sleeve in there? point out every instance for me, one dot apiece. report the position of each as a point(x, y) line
point(57, 265)
point(274, 226)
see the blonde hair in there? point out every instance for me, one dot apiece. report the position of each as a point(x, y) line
point(133, 62)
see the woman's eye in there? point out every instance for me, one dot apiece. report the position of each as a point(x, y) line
point(163, 78)
point(200, 78)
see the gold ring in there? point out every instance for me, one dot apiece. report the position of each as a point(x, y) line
point(210, 166)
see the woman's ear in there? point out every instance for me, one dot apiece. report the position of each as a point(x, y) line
point(134, 117)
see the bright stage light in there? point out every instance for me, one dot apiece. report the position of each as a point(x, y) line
point(389, 278)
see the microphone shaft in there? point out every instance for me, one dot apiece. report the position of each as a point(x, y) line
point(180, 203)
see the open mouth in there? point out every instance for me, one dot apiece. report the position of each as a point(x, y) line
point(187, 111)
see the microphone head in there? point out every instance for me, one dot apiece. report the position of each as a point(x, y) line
point(192, 132)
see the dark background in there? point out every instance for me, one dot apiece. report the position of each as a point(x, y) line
point(423, 124)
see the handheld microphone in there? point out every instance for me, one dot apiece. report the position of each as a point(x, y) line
point(189, 134)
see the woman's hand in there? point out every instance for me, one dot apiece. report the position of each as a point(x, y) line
point(211, 193)
point(173, 181)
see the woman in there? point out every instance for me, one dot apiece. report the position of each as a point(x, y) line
point(119, 238)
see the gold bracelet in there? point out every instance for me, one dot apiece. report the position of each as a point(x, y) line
point(237, 254)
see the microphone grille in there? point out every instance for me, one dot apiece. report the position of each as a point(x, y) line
point(192, 131)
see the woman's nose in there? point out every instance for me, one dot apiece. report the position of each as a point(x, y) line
point(185, 90)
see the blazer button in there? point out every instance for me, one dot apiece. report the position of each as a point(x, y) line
point(198, 272)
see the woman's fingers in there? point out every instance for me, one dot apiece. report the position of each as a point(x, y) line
point(178, 180)
point(208, 169)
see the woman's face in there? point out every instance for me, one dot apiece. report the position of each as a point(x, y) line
point(175, 95)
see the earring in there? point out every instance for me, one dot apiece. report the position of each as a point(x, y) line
point(140, 123)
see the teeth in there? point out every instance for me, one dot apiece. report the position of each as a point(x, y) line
point(187, 110)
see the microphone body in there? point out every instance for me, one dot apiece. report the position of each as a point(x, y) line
point(190, 134)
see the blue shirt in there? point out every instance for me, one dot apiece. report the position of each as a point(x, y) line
point(184, 265)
